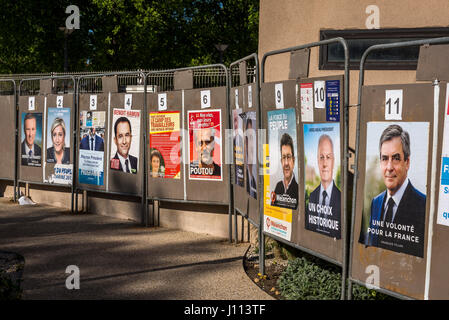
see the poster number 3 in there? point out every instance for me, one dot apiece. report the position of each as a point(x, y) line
point(393, 104)
point(279, 96)
point(205, 99)
point(93, 102)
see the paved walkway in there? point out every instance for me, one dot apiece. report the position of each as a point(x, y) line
point(118, 259)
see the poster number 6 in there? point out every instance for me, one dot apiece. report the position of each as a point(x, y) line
point(205, 99)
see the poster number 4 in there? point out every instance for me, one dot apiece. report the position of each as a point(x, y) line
point(393, 104)
point(205, 99)
point(128, 101)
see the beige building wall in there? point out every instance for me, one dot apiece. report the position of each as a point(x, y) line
point(288, 23)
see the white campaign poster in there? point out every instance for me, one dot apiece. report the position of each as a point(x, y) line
point(306, 92)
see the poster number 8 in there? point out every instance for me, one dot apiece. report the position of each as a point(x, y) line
point(205, 99)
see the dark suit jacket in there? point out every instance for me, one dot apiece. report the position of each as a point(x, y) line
point(51, 155)
point(99, 143)
point(292, 192)
point(411, 211)
point(37, 153)
point(132, 160)
point(335, 203)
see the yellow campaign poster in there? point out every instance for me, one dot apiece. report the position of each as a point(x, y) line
point(277, 220)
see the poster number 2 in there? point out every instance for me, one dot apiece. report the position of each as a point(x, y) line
point(393, 104)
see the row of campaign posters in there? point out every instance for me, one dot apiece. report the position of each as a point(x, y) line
point(394, 204)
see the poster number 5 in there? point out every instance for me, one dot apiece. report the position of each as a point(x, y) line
point(162, 101)
point(393, 104)
point(205, 99)
point(31, 104)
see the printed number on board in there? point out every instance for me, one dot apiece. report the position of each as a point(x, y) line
point(162, 101)
point(279, 95)
point(205, 99)
point(93, 102)
point(393, 104)
point(319, 95)
point(31, 104)
point(237, 98)
point(59, 101)
point(250, 97)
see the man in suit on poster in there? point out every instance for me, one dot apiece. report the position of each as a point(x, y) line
point(92, 141)
point(31, 152)
point(398, 214)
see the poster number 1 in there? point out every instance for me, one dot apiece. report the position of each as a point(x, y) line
point(205, 99)
point(393, 105)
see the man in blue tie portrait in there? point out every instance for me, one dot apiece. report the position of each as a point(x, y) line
point(31, 152)
point(122, 160)
point(397, 215)
point(92, 141)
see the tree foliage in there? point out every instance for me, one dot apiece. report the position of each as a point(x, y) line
point(125, 34)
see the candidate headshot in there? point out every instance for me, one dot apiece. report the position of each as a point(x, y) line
point(156, 167)
point(58, 153)
point(400, 206)
point(123, 161)
point(92, 141)
point(31, 152)
point(286, 192)
point(205, 148)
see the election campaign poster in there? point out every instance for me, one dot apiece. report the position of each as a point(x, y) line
point(322, 178)
point(165, 145)
point(125, 140)
point(205, 148)
point(283, 158)
point(250, 143)
point(394, 211)
point(58, 135)
point(276, 220)
point(91, 145)
point(443, 199)
point(31, 146)
point(238, 145)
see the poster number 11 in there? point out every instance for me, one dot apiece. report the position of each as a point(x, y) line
point(393, 104)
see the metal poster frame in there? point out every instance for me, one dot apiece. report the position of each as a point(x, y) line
point(142, 75)
point(15, 135)
point(357, 144)
point(250, 57)
point(227, 124)
point(75, 110)
point(345, 236)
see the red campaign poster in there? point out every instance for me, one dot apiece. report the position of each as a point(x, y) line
point(165, 151)
point(205, 152)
